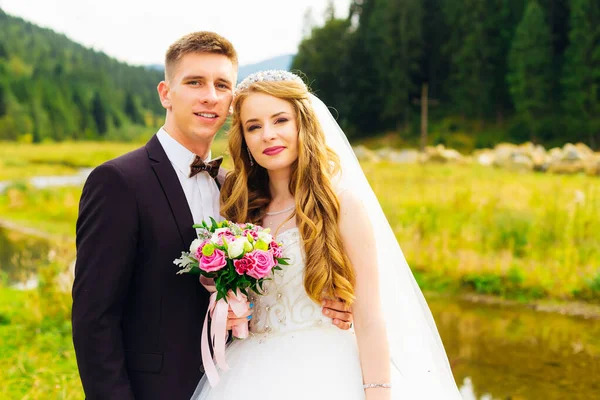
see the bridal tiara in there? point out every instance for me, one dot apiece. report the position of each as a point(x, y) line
point(271, 75)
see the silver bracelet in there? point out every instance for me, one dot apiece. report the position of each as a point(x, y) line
point(377, 385)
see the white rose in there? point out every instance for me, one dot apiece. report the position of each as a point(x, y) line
point(194, 246)
point(265, 237)
point(236, 248)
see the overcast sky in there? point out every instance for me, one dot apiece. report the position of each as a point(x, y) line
point(139, 32)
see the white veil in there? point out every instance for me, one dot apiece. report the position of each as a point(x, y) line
point(416, 348)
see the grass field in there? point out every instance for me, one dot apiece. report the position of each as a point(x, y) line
point(498, 232)
point(37, 360)
point(462, 228)
point(19, 161)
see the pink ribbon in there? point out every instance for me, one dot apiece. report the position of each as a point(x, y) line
point(217, 311)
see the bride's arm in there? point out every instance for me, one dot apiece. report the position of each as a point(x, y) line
point(369, 325)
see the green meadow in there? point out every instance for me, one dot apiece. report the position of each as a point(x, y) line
point(498, 232)
point(463, 229)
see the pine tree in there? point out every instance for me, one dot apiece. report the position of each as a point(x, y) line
point(364, 96)
point(397, 40)
point(3, 99)
point(505, 16)
point(42, 126)
point(321, 57)
point(434, 62)
point(3, 52)
point(472, 60)
point(99, 111)
point(581, 75)
point(530, 69)
point(132, 109)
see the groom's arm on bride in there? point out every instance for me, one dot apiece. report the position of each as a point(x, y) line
point(106, 244)
point(339, 312)
point(359, 242)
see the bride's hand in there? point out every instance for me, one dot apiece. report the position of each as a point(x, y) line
point(233, 320)
point(340, 314)
point(378, 394)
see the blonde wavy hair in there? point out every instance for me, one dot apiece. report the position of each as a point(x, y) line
point(245, 193)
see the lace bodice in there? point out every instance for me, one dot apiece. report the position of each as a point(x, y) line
point(284, 305)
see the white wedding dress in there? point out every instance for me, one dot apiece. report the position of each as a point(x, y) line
point(294, 351)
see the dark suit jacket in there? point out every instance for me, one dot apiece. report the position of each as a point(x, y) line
point(136, 324)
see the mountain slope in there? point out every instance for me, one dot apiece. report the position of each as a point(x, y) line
point(53, 88)
point(279, 62)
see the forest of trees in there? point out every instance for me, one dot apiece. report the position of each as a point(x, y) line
point(513, 70)
point(496, 70)
point(52, 88)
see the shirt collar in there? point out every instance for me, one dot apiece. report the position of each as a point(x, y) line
point(179, 156)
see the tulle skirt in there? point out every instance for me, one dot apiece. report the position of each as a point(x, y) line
point(314, 363)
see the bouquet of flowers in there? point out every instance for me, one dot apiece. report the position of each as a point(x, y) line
point(230, 259)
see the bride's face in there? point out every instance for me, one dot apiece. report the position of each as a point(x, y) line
point(270, 130)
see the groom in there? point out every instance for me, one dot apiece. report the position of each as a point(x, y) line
point(136, 324)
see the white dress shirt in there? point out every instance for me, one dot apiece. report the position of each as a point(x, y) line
point(201, 191)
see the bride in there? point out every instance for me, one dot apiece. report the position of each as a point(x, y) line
point(294, 172)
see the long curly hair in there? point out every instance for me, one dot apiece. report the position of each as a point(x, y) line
point(245, 193)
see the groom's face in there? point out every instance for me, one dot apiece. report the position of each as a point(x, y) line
point(198, 95)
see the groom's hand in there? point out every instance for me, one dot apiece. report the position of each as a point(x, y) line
point(339, 312)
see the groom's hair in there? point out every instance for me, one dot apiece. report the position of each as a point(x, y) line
point(198, 42)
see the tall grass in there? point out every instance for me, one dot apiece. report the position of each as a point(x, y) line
point(52, 211)
point(37, 360)
point(504, 233)
point(499, 232)
point(23, 160)
point(55, 210)
point(492, 228)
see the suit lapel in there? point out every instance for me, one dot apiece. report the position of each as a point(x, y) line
point(173, 191)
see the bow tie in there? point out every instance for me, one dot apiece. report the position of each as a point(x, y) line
point(212, 166)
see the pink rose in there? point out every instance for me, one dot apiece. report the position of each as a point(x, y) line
point(252, 233)
point(277, 252)
point(227, 234)
point(243, 265)
point(230, 237)
point(263, 263)
point(214, 262)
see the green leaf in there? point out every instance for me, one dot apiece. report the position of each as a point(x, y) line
point(222, 292)
point(230, 280)
point(215, 225)
point(195, 271)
